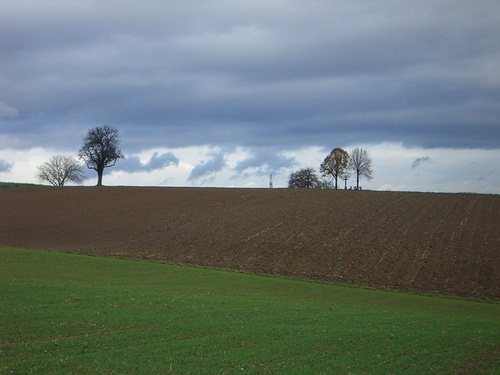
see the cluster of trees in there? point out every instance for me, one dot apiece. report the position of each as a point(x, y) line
point(337, 165)
point(100, 150)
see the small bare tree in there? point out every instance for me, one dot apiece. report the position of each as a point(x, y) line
point(361, 164)
point(59, 170)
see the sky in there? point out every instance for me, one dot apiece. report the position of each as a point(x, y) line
point(226, 93)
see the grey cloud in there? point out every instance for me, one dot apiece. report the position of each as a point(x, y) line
point(7, 110)
point(265, 161)
point(216, 163)
point(226, 73)
point(417, 162)
point(133, 163)
point(5, 166)
point(158, 162)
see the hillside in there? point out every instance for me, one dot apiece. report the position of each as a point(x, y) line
point(445, 243)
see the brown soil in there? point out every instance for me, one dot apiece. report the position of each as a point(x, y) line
point(443, 243)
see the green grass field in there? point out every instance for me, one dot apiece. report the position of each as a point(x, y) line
point(74, 314)
point(13, 184)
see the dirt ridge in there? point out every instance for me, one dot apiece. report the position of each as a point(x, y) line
point(439, 243)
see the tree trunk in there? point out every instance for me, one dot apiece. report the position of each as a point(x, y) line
point(99, 177)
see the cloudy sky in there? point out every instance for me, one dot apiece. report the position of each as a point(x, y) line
point(225, 93)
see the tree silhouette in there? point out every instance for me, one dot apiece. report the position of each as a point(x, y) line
point(59, 170)
point(303, 178)
point(336, 164)
point(100, 149)
point(361, 164)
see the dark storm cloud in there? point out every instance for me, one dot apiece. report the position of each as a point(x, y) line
point(259, 74)
point(133, 163)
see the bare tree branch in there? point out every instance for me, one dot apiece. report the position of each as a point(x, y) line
point(361, 164)
point(59, 170)
point(100, 149)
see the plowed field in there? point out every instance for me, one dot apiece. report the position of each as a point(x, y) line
point(444, 243)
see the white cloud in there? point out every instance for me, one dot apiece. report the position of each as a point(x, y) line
point(440, 170)
point(23, 163)
point(445, 170)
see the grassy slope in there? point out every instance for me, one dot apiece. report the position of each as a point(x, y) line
point(65, 313)
point(13, 184)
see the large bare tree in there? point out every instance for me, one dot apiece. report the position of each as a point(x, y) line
point(100, 149)
point(336, 164)
point(361, 164)
point(59, 170)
